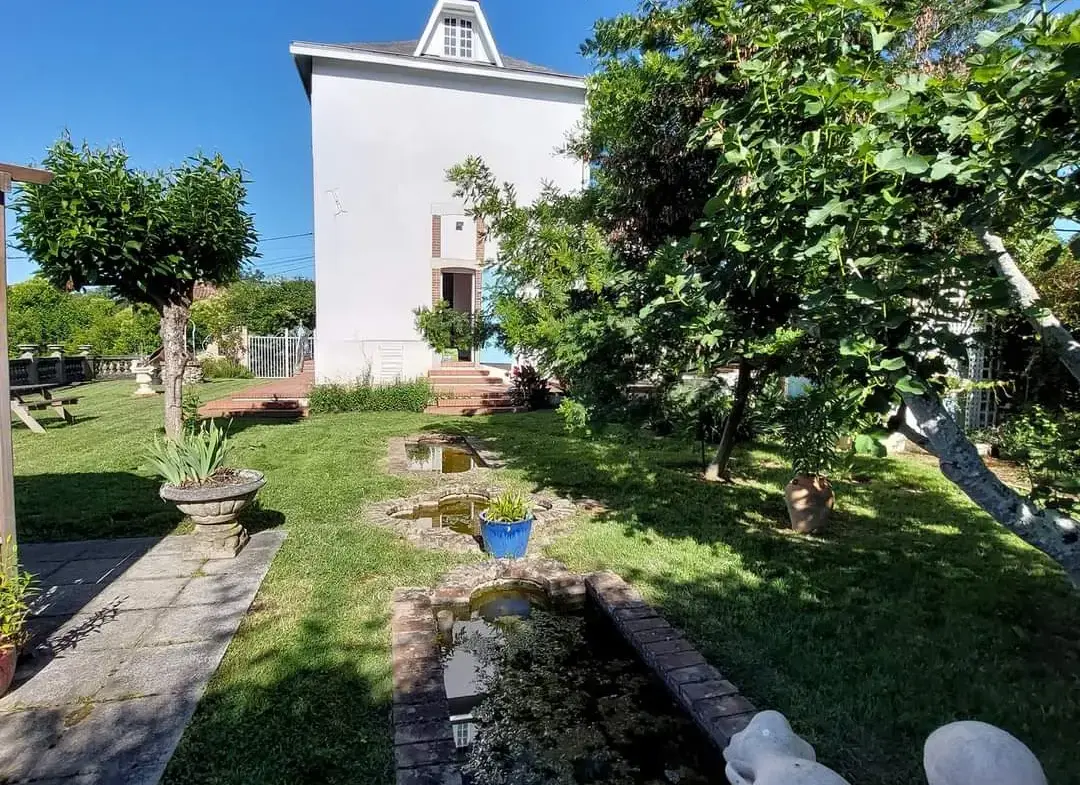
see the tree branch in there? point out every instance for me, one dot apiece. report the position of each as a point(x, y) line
point(1051, 532)
point(1054, 335)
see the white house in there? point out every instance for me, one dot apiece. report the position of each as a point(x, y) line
point(388, 120)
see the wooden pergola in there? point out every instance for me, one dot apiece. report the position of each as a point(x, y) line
point(9, 173)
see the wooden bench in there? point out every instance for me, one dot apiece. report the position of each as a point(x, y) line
point(22, 408)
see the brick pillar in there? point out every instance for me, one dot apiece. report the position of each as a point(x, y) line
point(436, 237)
point(481, 240)
point(478, 291)
point(436, 287)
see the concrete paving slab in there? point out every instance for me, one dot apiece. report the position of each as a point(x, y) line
point(192, 624)
point(62, 680)
point(124, 662)
point(107, 739)
point(165, 670)
point(90, 571)
point(136, 595)
point(109, 629)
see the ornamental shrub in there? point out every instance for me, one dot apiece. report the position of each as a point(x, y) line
point(366, 396)
point(224, 368)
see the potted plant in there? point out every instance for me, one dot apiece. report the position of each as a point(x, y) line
point(506, 526)
point(453, 334)
point(199, 483)
point(811, 428)
point(15, 590)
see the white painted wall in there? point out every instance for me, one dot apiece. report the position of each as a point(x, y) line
point(458, 243)
point(383, 138)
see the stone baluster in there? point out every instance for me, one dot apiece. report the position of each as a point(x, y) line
point(86, 351)
point(56, 351)
point(768, 752)
point(28, 351)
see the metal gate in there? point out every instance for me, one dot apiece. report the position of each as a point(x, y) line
point(277, 356)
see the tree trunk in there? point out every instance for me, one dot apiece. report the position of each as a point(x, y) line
point(1054, 335)
point(719, 466)
point(1051, 532)
point(174, 319)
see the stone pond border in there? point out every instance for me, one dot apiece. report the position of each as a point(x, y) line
point(398, 461)
point(552, 518)
point(424, 751)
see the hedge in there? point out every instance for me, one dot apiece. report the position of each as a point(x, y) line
point(412, 396)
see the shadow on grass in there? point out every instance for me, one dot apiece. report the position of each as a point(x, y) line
point(106, 505)
point(92, 505)
point(913, 609)
point(304, 714)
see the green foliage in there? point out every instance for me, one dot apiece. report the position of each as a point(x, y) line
point(264, 307)
point(445, 328)
point(192, 402)
point(148, 236)
point(41, 314)
point(192, 459)
point(15, 592)
point(366, 396)
point(509, 507)
point(575, 416)
point(1047, 445)
point(225, 368)
point(812, 426)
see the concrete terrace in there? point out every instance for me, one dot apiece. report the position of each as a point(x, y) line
point(125, 637)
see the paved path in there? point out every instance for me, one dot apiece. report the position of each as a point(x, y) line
point(126, 636)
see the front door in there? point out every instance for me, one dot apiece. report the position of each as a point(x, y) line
point(458, 289)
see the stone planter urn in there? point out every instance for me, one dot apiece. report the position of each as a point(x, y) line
point(145, 377)
point(810, 501)
point(8, 656)
point(214, 510)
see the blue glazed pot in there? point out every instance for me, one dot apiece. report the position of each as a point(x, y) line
point(506, 540)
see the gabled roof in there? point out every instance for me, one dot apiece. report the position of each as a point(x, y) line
point(425, 53)
point(408, 48)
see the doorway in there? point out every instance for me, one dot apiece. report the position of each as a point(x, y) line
point(459, 290)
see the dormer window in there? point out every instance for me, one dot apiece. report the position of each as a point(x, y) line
point(457, 37)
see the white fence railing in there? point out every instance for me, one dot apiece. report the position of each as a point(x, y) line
point(277, 356)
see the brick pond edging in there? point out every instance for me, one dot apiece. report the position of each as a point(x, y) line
point(424, 750)
point(552, 518)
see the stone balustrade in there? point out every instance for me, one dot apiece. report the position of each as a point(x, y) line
point(55, 367)
point(768, 752)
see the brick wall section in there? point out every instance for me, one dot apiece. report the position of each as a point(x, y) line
point(481, 240)
point(424, 751)
point(436, 237)
point(713, 702)
point(436, 287)
point(478, 278)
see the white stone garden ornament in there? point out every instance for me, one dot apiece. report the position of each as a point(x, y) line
point(768, 752)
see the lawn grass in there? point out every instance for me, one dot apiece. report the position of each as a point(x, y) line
point(914, 609)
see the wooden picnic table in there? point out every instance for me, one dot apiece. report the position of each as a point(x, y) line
point(23, 401)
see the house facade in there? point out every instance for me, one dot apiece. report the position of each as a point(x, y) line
point(388, 120)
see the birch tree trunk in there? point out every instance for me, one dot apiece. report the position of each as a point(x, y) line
point(1053, 332)
point(174, 319)
point(936, 431)
point(718, 468)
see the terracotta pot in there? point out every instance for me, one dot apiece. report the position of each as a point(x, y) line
point(810, 500)
point(8, 656)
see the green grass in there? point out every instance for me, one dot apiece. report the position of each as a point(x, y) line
point(913, 610)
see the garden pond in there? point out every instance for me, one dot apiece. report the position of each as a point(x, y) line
point(539, 698)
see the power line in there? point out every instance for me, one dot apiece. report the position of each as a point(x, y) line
point(286, 237)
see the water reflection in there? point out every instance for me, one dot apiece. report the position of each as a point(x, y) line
point(437, 457)
point(460, 514)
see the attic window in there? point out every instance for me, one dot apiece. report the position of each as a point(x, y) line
point(460, 226)
point(457, 37)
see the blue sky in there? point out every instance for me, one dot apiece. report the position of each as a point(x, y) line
point(169, 77)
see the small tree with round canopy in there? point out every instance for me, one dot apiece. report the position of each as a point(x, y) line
point(148, 236)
